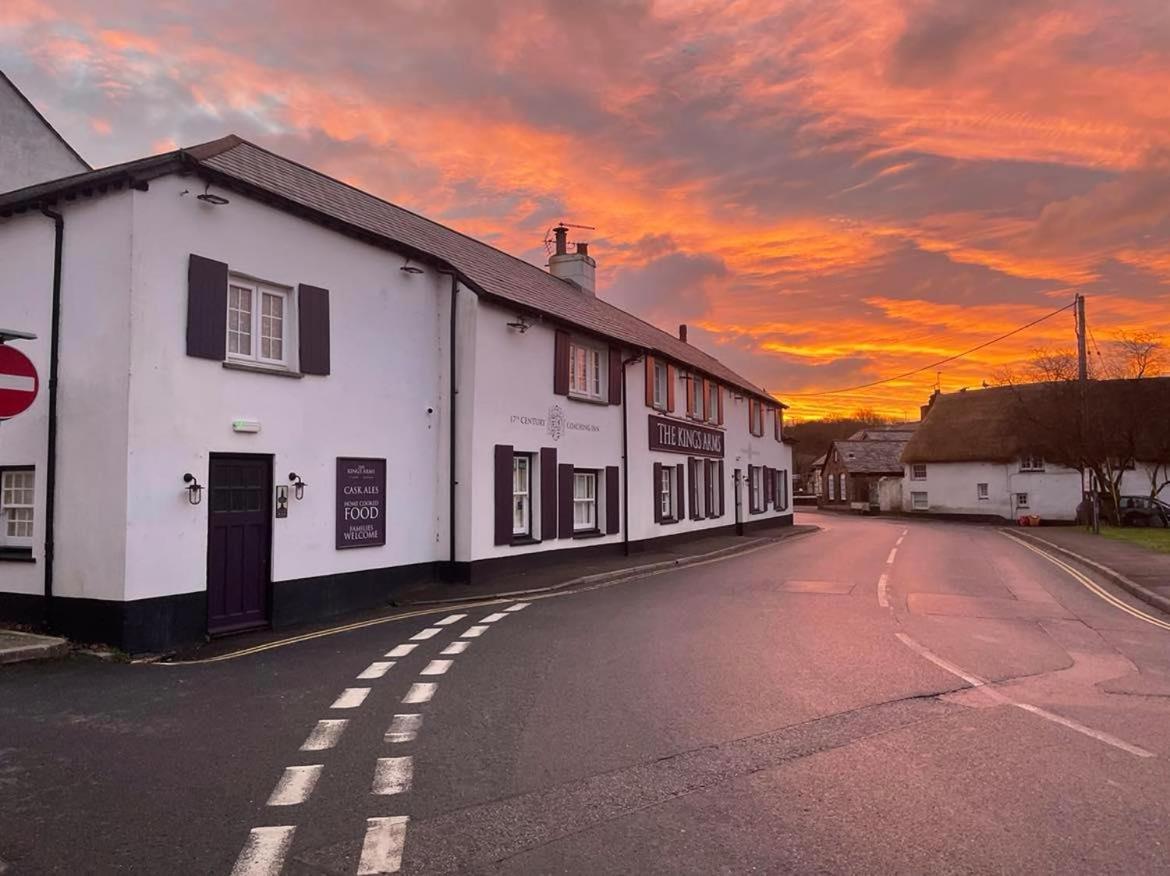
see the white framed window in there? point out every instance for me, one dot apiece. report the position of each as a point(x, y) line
point(258, 322)
point(521, 495)
point(695, 387)
point(712, 402)
point(1021, 500)
point(585, 371)
point(666, 493)
point(1031, 462)
point(918, 501)
point(782, 489)
point(699, 473)
point(16, 507)
point(757, 489)
point(757, 417)
point(832, 488)
point(584, 501)
point(981, 491)
point(843, 487)
point(661, 393)
point(918, 471)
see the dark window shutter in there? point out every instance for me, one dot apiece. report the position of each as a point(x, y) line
point(719, 403)
point(710, 482)
point(565, 499)
point(615, 376)
point(722, 487)
point(692, 490)
point(207, 288)
point(752, 489)
point(768, 478)
point(680, 485)
point(706, 400)
point(656, 492)
point(649, 381)
point(690, 394)
point(548, 493)
point(612, 514)
point(671, 379)
point(561, 364)
point(313, 318)
point(751, 417)
point(782, 502)
point(503, 499)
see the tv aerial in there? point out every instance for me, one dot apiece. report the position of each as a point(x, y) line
point(549, 240)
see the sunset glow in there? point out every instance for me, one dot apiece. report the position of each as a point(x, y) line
point(828, 193)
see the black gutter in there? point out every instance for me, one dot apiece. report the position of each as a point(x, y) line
point(626, 363)
point(51, 461)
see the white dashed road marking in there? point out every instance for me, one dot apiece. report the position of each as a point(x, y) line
point(890, 558)
point(295, 785)
point(393, 775)
point(456, 648)
point(264, 853)
point(382, 848)
point(400, 650)
point(404, 728)
point(450, 619)
point(977, 682)
point(351, 698)
point(436, 667)
point(474, 632)
point(428, 633)
point(492, 618)
point(519, 606)
point(324, 735)
point(376, 669)
point(883, 596)
point(420, 692)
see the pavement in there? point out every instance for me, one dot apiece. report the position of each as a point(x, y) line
point(879, 696)
point(17, 646)
point(1142, 572)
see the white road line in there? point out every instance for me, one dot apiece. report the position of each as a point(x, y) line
point(474, 632)
point(376, 669)
point(264, 853)
point(495, 616)
point(890, 558)
point(976, 681)
point(400, 650)
point(295, 785)
point(428, 633)
point(351, 698)
point(883, 596)
point(436, 667)
point(420, 692)
point(898, 543)
point(450, 619)
point(456, 648)
point(324, 735)
point(403, 728)
point(393, 775)
point(382, 848)
point(519, 606)
point(904, 531)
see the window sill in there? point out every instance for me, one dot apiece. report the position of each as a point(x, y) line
point(16, 555)
point(667, 521)
point(588, 399)
point(232, 365)
point(524, 539)
point(588, 533)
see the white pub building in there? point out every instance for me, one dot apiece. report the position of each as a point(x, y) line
point(268, 398)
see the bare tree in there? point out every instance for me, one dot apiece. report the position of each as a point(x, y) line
point(1047, 365)
point(1135, 355)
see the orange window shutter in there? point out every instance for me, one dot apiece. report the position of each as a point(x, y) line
point(649, 381)
point(706, 399)
point(671, 379)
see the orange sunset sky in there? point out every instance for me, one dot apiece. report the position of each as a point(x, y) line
point(828, 192)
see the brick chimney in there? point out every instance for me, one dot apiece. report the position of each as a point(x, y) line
point(925, 409)
point(576, 267)
point(682, 332)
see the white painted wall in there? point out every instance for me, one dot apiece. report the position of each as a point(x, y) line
point(951, 488)
point(92, 400)
point(30, 152)
point(388, 339)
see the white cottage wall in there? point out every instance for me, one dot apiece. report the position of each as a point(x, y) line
point(952, 488)
point(383, 397)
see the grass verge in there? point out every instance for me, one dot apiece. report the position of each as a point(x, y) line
point(1153, 539)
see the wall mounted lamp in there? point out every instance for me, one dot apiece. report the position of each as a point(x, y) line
point(521, 325)
point(298, 485)
point(194, 489)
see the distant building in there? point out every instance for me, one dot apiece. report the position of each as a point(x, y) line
point(972, 457)
point(853, 470)
point(31, 150)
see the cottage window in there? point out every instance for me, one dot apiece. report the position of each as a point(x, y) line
point(585, 378)
point(584, 501)
point(16, 508)
point(919, 502)
point(660, 378)
point(712, 402)
point(918, 471)
point(981, 491)
point(521, 495)
point(258, 323)
point(781, 489)
point(696, 390)
point(666, 493)
point(1021, 500)
point(832, 488)
point(699, 488)
point(844, 488)
point(1030, 462)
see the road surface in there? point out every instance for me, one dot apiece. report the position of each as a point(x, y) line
point(879, 696)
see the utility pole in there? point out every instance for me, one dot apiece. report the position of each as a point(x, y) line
point(1082, 348)
point(1083, 380)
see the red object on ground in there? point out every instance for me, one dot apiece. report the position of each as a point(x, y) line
point(19, 383)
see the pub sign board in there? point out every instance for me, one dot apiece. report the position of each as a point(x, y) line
point(361, 502)
point(676, 436)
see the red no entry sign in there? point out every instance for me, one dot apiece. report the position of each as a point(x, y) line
point(18, 382)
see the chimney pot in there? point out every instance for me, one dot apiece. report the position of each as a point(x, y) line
point(562, 237)
point(682, 332)
point(582, 249)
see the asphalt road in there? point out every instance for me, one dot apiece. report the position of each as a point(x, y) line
point(876, 697)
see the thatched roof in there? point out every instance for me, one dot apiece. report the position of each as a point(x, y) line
point(869, 457)
point(1001, 423)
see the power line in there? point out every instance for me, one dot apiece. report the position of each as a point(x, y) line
point(1015, 331)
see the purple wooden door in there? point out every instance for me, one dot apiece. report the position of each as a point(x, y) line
point(239, 542)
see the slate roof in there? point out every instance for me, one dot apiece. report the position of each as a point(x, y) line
point(237, 164)
point(894, 432)
point(870, 457)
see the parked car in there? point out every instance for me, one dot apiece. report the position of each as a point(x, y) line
point(1144, 511)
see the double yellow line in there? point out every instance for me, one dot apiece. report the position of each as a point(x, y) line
point(1091, 585)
